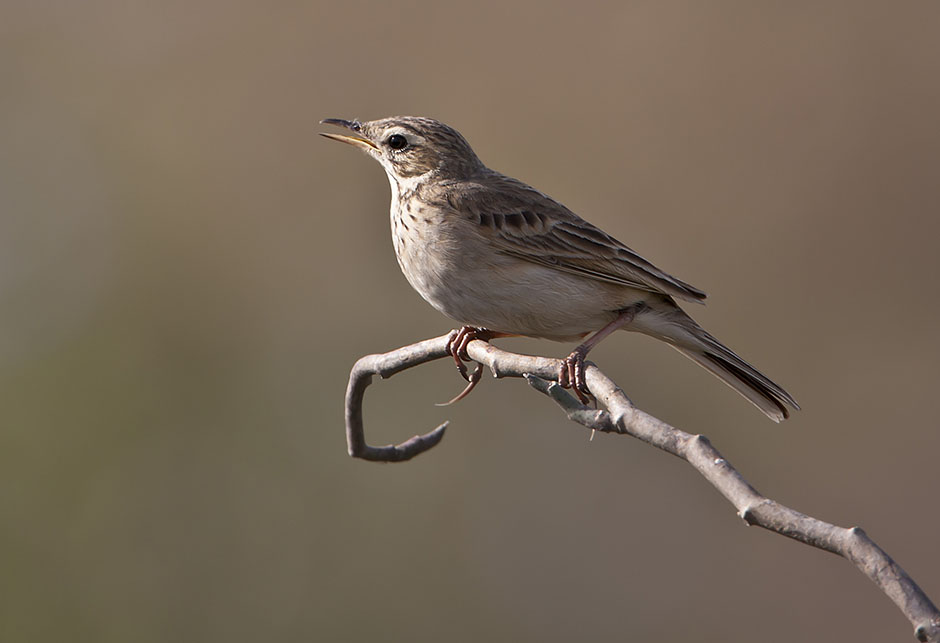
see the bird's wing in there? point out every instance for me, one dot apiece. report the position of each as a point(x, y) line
point(524, 223)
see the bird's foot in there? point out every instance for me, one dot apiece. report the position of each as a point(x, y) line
point(571, 375)
point(457, 347)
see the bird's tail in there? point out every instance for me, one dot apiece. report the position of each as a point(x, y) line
point(674, 326)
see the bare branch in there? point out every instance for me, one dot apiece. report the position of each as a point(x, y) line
point(622, 416)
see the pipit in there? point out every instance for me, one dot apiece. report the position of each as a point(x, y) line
point(503, 259)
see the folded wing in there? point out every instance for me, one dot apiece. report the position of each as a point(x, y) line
point(524, 223)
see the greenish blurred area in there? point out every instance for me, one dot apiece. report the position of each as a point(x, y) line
point(187, 273)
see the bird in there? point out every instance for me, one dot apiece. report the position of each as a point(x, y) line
point(504, 259)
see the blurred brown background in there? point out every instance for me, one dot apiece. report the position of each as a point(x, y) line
point(189, 271)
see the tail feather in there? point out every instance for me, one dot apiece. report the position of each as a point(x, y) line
point(760, 391)
point(668, 322)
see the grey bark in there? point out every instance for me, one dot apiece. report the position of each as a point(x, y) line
point(621, 416)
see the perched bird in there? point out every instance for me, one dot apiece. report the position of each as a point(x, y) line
point(503, 259)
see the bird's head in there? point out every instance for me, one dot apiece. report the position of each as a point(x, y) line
point(410, 146)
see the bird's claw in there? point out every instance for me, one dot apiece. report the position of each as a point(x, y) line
point(472, 380)
point(571, 375)
point(457, 347)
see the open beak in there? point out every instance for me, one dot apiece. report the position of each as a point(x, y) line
point(358, 141)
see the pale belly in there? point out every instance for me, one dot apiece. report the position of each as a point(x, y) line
point(472, 284)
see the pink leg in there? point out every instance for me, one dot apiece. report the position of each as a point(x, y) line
point(571, 372)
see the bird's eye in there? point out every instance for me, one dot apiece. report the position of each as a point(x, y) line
point(397, 142)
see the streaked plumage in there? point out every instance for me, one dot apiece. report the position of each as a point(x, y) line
point(492, 252)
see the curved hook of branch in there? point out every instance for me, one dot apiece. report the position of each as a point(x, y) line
point(386, 365)
point(621, 416)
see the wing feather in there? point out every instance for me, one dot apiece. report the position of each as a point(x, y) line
point(524, 223)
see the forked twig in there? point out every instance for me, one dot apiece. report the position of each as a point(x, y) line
point(621, 416)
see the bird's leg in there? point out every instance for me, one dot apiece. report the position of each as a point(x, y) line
point(571, 371)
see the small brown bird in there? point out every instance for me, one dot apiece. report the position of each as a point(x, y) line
point(504, 259)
